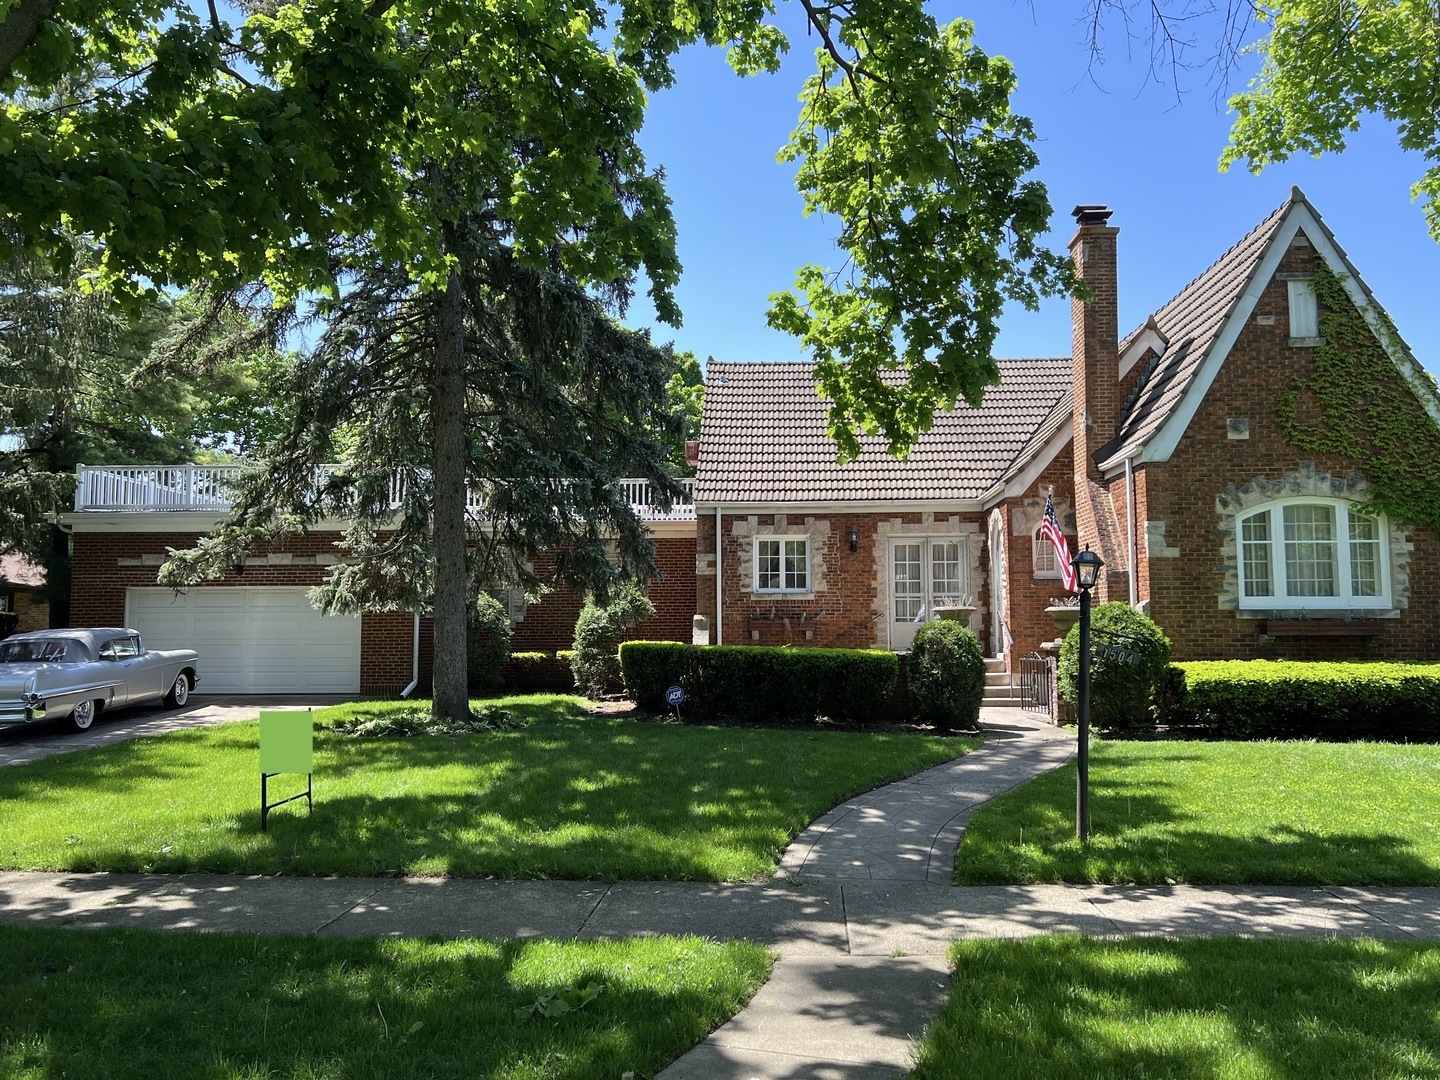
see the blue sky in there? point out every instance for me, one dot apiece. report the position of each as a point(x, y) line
point(1123, 142)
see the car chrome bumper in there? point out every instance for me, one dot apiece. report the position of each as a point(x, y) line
point(16, 713)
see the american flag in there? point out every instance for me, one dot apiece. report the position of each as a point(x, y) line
point(1050, 529)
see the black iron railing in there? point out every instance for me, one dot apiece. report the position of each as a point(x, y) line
point(1035, 683)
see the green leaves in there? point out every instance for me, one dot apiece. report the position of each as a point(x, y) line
point(554, 1004)
point(1325, 66)
point(906, 135)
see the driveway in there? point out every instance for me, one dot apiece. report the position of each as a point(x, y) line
point(19, 745)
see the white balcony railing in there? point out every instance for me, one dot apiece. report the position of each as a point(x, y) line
point(141, 488)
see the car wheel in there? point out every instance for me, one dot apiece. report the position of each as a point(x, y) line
point(180, 692)
point(82, 716)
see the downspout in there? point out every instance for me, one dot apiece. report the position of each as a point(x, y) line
point(414, 660)
point(1133, 551)
point(719, 578)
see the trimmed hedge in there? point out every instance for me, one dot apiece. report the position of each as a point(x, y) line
point(760, 683)
point(598, 631)
point(947, 675)
point(488, 647)
point(1129, 655)
point(1289, 699)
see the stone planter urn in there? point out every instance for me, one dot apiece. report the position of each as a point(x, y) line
point(955, 613)
point(1065, 617)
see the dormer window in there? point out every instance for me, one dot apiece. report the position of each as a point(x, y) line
point(1304, 310)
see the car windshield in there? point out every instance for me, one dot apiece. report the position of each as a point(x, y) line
point(32, 652)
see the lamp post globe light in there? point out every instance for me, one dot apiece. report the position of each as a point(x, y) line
point(1087, 566)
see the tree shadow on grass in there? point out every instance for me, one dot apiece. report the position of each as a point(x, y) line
point(1147, 833)
point(1073, 1007)
point(137, 1004)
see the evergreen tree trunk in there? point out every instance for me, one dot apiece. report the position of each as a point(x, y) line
point(452, 585)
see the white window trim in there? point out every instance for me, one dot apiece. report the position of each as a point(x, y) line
point(781, 539)
point(1303, 302)
point(1279, 600)
point(1039, 543)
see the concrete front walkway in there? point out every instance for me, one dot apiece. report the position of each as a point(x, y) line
point(861, 914)
point(32, 742)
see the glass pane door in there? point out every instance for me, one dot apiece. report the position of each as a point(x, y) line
point(924, 573)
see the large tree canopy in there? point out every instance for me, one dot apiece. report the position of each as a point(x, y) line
point(234, 152)
point(1328, 64)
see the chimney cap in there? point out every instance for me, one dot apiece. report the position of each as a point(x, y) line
point(1091, 214)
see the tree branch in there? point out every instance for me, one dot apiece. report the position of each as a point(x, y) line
point(20, 29)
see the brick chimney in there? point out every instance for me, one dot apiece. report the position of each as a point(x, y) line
point(1095, 330)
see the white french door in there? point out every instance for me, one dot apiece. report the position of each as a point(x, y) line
point(926, 572)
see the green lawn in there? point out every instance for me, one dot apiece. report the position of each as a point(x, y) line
point(127, 1003)
point(571, 796)
point(1221, 813)
point(1072, 1008)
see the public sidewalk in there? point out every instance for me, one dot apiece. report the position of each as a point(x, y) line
point(861, 914)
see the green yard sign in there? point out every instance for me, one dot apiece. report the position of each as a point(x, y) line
point(287, 745)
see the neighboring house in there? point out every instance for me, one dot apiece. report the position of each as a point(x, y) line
point(20, 583)
point(1166, 451)
point(255, 630)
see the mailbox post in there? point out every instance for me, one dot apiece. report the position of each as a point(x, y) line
point(287, 745)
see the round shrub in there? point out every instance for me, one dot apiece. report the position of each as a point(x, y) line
point(596, 660)
point(488, 643)
point(947, 675)
point(1129, 654)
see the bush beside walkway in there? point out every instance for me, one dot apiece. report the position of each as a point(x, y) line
point(1260, 813)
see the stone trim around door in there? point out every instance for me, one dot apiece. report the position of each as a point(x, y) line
point(928, 525)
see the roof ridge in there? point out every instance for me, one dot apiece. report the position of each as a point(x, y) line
point(1280, 210)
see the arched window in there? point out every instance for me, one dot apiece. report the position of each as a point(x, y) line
point(1042, 555)
point(1312, 553)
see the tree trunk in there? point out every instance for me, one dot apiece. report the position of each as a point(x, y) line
point(452, 584)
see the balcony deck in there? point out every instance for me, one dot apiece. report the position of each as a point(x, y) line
point(168, 488)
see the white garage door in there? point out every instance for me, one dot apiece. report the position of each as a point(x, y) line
point(252, 640)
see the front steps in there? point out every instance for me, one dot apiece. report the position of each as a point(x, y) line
point(999, 694)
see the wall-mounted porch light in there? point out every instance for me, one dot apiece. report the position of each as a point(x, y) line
point(854, 538)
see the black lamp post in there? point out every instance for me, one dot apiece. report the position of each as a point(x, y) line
point(1087, 566)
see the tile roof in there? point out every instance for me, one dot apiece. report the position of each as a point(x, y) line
point(1190, 323)
point(763, 438)
point(15, 569)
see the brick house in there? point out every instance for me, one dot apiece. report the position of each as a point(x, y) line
point(1164, 450)
point(1164, 453)
point(20, 584)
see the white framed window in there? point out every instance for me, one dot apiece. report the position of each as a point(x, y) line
point(782, 564)
point(1304, 309)
point(1042, 555)
point(1312, 553)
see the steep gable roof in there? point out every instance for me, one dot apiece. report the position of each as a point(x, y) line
point(1191, 323)
point(1202, 321)
point(763, 439)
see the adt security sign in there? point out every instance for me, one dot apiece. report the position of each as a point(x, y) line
point(674, 696)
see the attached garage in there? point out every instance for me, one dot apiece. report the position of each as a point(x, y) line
point(252, 640)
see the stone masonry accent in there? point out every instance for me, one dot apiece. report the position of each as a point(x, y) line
point(1307, 480)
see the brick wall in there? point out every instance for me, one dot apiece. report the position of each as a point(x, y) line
point(1030, 595)
point(1184, 578)
point(104, 565)
point(847, 606)
point(549, 625)
point(32, 613)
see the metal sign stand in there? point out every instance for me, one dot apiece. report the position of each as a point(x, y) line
point(287, 745)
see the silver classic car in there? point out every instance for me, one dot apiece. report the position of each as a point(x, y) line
point(74, 674)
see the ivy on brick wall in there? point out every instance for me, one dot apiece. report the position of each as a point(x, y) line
point(1364, 409)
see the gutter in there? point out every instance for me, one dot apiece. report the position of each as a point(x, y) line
point(414, 660)
point(719, 579)
point(1131, 546)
